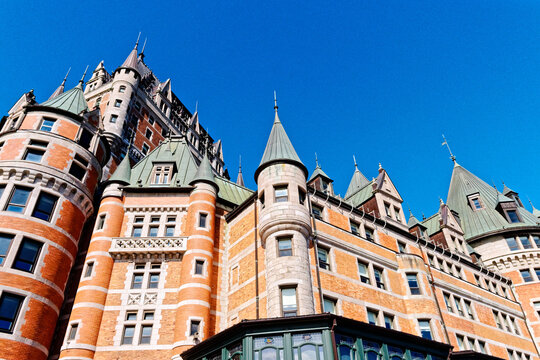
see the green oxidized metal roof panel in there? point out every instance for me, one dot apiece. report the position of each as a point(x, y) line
point(361, 195)
point(72, 101)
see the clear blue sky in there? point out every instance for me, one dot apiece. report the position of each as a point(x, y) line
point(379, 79)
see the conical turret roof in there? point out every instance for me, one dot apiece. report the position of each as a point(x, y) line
point(358, 181)
point(59, 90)
point(413, 221)
point(72, 100)
point(123, 171)
point(486, 219)
point(204, 173)
point(132, 59)
point(240, 178)
point(279, 149)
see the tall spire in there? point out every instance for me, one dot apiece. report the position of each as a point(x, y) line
point(358, 181)
point(72, 100)
point(60, 89)
point(131, 60)
point(452, 157)
point(535, 211)
point(279, 148)
point(240, 178)
point(81, 82)
point(141, 55)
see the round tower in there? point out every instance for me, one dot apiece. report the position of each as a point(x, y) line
point(124, 86)
point(194, 295)
point(284, 226)
point(50, 165)
point(85, 320)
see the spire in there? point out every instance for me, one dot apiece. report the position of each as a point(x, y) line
point(72, 100)
point(122, 173)
point(131, 60)
point(141, 55)
point(60, 89)
point(413, 221)
point(318, 171)
point(240, 178)
point(535, 211)
point(452, 157)
point(81, 82)
point(204, 173)
point(358, 181)
point(279, 148)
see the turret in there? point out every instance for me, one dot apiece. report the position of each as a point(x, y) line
point(60, 90)
point(320, 180)
point(284, 226)
point(99, 77)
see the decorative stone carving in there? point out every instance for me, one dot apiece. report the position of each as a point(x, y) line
point(147, 245)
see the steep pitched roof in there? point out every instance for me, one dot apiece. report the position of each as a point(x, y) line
point(204, 173)
point(413, 221)
point(279, 148)
point(474, 223)
point(432, 223)
point(131, 61)
point(122, 173)
point(59, 90)
point(72, 100)
point(362, 195)
point(319, 172)
point(358, 181)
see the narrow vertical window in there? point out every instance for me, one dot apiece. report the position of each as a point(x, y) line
point(372, 317)
point(27, 255)
point(425, 329)
point(284, 246)
point(137, 281)
point(301, 196)
point(513, 216)
point(153, 281)
point(468, 309)
point(379, 277)
point(137, 231)
point(317, 211)
point(447, 302)
point(122, 89)
point(127, 336)
point(113, 119)
point(199, 267)
point(363, 272)
point(414, 287)
point(117, 103)
point(148, 134)
point(281, 193)
point(261, 200)
point(153, 231)
point(355, 227)
point(45, 206)
point(194, 327)
point(78, 167)
point(388, 321)
point(10, 305)
point(18, 200)
point(89, 269)
point(85, 138)
point(369, 234)
point(169, 230)
point(457, 302)
point(146, 334)
point(5, 243)
point(145, 149)
point(100, 222)
point(401, 247)
point(202, 220)
point(461, 342)
point(73, 332)
point(512, 244)
point(288, 301)
point(322, 255)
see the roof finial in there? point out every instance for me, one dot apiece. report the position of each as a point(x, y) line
point(450, 151)
point(144, 46)
point(196, 105)
point(65, 77)
point(83, 76)
point(355, 164)
point(380, 166)
point(316, 160)
point(239, 163)
point(275, 102)
point(137, 43)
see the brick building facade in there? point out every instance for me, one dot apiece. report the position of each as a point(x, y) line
point(122, 237)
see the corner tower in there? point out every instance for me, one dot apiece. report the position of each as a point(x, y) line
point(284, 226)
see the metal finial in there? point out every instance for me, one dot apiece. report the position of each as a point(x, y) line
point(239, 163)
point(316, 160)
point(84, 75)
point(452, 157)
point(275, 101)
point(355, 164)
point(138, 37)
point(144, 46)
point(380, 166)
point(196, 105)
point(65, 77)
point(423, 216)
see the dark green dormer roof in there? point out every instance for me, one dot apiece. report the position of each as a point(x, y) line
point(204, 173)
point(72, 101)
point(481, 221)
point(358, 181)
point(413, 221)
point(319, 172)
point(122, 174)
point(279, 149)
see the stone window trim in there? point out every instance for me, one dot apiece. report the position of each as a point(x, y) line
point(143, 220)
point(46, 124)
point(137, 323)
point(101, 222)
point(467, 342)
point(141, 272)
point(475, 202)
point(189, 322)
point(200, 216)
point(162, 173)
point(282, 251)
point(196, 263)
point(23, 304)
point(515, 211)
point(35, 148)
point(281, 193)
point(460, 306)
point(431, 328)
point(381, 316)
point(334, 301)
point(369, 279)
point(89, 269)
point(71, 336)
point(291, 312)
point(411, 278)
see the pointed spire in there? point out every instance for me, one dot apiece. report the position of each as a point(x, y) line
point(452, 157)
point(276, 117)
point(506, 189)
point(413, 221)
point(81, 82)
point(318, 171)
point(141, 55)
point(240, 178)
point(60, 89)
point(535, 211)
point(131, 60)
point(279, 148)
point(204, 173)
point(72, 100)
point(358, 181)
point(122, 174)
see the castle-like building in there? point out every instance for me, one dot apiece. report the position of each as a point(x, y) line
point(123, 237)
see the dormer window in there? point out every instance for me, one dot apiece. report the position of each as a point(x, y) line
point(475, 202)
point(512, 216)
point(162, 174)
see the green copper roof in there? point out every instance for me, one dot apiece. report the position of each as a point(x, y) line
point(72, 101)
point(484, 220)
point(176, 151)
point(319, 172)
point(204, 173)
point(279, 148)
point(362, 195)
point(432, 223)
point(358, 181)
point(412, 221)
point(123, 171)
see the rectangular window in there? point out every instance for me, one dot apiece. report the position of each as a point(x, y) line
point(525, 242)
point(151, 120)
point(388, 321)
point(512, 216)
point(329, 305)
point(194, 327)
point(85, 139)
point(468, 309)
point(199, 267)
point(10, 305)
point(100, 222)
point(425, 329)
point(497, 319)
point(33, 155)
point(113, 119)
point(146, 334)
point(45, 206)
point(89, 269)
point(137, 281)
point(515, 325)
point(131, 316)
point(475, 202)
point(27, 255)
point(78, 167)
point(461, 342)
point(457, 302)
point(512, 244)
point(153, 231)
point(536, 240)
point(369, 234)
point(322, 255)
point(401, 247)
point(117, 103)
point(288, 301)
point(137, 231)
point(139, 219)
point(363, 272)
point(127, 336)
point(202, 220)
point(372, 317)
point(536, 305)
point(412, 279)
point(398, 214)
point(379, 277)
point(261, 200)
point(355, 227)
point(148, 134)
point(148, 315)
point(482, 347)
point(301, 196)
point(317, 212)
point(537, 271)
point(285, 246)
point(5, 242)
point(145, 149)
point(162, 174)
point(47, 124)
point(153, 281)
point(73, 332)
point(169, 230)
point(526, 275)
point(387, 209)
point(281, 194)
point(448, 303)
point(122, 89)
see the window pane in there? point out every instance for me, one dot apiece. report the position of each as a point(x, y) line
point(153, 231)
point(137, 231)
point(526, 275)
point(47, 125)
point(77, 170)
point(131, 316)
point(413, 284)
point(525, 242)
point(285, 247)
point(128, 335)
point(512, 215)
point(18, 200)
point(288, 299)
point(154, 281)
point(137, 281)
point(199, 267)
point(5, 241)
point(202, 220)
point(323, 259)
point(363, 271)
point(45, 206)
point(9, 307)
point(73, 332)
point(146, 334)
point(329, 305)
point(194, 327)
point(33, 155)
point(27, 255)
point(307, 352)
point(169, 231)
point(372, 317)
point(425, 329)
point(512, 244)
point(535, 238)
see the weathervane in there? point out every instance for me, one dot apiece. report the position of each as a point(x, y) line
point(448, 146)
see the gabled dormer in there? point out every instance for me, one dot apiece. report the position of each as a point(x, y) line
point(387, 197)
point(512, 195)
point(320, 181)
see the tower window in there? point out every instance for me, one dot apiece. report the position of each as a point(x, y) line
point(199, 267)
point(288, 301)
point(363, 272)
point(85, 138)
point(202, 220)
point(18, 200)
point(73, 332)
point(281, 193)
point(526, 275)
point(27, 255)
point(89, 269)
point(414, 287)
point(78, 167)
point(113, 119)
point(194, 327)
point(45, 206)
point(285, 246)
point(117, 103)
point(301, 196)
point(122, 89)
point(47, 124)
point(512, 216)
point(100, 222)
point(148, 134)
point(10, 305)
point(425, 329)
point(5, 242)
point(35, 154)
point(512, 244)
point(379, 277)
point(261, 199)
point(402, 248)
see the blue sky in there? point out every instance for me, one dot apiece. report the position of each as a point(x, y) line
point(379, 79)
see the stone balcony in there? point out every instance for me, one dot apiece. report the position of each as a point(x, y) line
point(148, 247)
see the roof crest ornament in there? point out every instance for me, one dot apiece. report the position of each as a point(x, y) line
point(355, 164)
point(137, 43)
point(452, 157)
point(316, 161)
point(65, 77)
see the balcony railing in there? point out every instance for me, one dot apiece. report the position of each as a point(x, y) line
point(148, 245)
